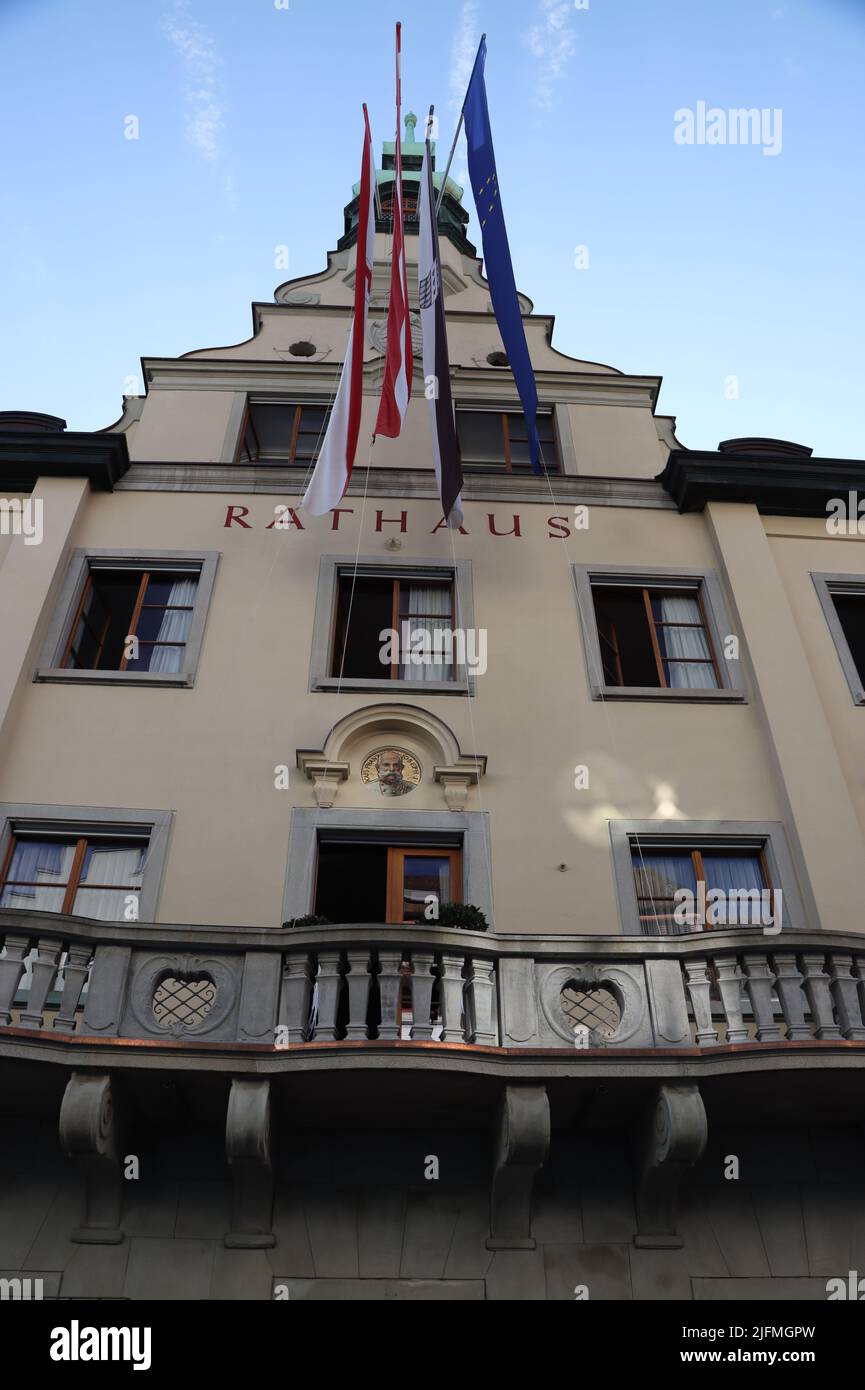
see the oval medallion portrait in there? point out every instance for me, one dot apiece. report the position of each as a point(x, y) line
point(395, 770)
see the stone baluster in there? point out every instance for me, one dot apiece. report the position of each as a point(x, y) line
point(422, 981)
point(295, 996)
point(817, 990)
point(859, 974)
point(697, 978)
point(480, 991)
point(329, 981)
point(11, 970)
point(452, 988)
point(788, 982)
point(845, 995)
point(358, 980)
point(74, 976)
point(759, 985)
point(389, 987)
point(730, 986)
point(44, 970)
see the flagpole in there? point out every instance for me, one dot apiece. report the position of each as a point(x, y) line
point(378, 212)
point(454, 145)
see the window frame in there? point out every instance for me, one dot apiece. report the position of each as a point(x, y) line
point(325, 619)
point(761, 837)
point(467, 831)
point(73, 884)
point(698, 853)
point(298, 405)
point(504, 412)
point(83, 562)
point(827, 585)
point(93, 822)
point(396, 855)
point(704, 583)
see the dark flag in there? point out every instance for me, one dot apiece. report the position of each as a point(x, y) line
point(436, 367)
point(497, 255)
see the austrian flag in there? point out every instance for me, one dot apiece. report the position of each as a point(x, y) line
point(396, 387)
point(333, 468)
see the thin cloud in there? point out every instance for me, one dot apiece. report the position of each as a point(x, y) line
point(463, 51)
point(202, 86)
point(552, 44)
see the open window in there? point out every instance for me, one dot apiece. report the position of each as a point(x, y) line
point(367, 605)
point(284, 433)
point(129, 618)
point(657, 634)
point(427, 604)
point(842, 598)
point(379, 882)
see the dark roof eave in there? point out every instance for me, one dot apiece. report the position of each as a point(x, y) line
point(26, 456)
point(777, 487)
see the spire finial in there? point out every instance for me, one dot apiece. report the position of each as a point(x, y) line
point(410, 123)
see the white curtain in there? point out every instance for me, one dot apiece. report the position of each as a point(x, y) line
point(109, 865)
point(434, 600)
point(657, 877)
point(694, 670)
point(45, 865)
point(174, 627)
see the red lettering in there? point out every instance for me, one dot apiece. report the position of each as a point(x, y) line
point(337, 513)
point(285, 517)
point(230, 518)
point(391, 521)
point(565, 531)
point(493, 532)
point(463, 531)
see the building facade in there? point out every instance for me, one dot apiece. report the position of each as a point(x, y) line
point(256, 769)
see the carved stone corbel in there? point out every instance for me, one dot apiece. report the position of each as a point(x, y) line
point(247, 1148)
point(673, 1141)
point(456, 778)
point(324, 775)
point(522, 1143)
point(88, 1133)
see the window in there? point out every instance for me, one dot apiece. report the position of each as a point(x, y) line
point(656, 634)
point(118, 605)
point(110, 597)
point(678, 877)
point(740, 875)
point(368, 605)
point(380, 882)
point(316, 874)
point(279, 433)
point(497, 441)
point(88, 876)
point(83, 860)
point(654, 637)
point(842, 597)
point(425, 603)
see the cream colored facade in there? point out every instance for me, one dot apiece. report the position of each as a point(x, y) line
point(326, 1058)
point(209, 753)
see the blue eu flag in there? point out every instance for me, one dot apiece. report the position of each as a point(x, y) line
point(497, 255)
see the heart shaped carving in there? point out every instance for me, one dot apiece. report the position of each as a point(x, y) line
point(183, 1000)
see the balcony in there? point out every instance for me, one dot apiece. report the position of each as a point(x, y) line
point(546, 1005)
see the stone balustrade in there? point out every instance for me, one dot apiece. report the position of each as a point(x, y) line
point(354, 985)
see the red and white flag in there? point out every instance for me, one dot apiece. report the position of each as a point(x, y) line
point(333, 467)
point(396, 387)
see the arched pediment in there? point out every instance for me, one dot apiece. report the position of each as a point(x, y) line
point(428, 741)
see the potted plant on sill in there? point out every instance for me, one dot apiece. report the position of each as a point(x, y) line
point(465, 916)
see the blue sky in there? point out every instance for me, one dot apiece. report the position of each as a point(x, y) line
point(706, 263)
